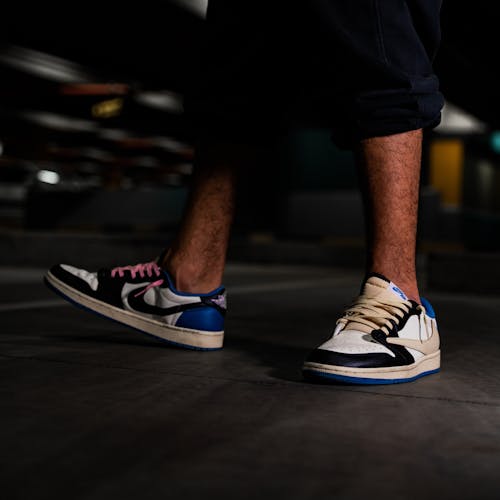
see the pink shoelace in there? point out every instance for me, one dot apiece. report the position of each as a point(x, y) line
point(147, 269)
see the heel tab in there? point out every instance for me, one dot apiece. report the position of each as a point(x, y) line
point(429, 310)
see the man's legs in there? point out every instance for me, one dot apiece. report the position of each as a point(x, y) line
point(196, 258)
point(187, 305)
point(388, 335)
point(390, 175)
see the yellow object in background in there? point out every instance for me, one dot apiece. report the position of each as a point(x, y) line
point(107, 109)
point(446, 169)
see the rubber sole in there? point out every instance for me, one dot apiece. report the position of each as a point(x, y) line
point(426, 365)
point(181, 337)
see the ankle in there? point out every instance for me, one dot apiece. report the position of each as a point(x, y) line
point(410, 290)
point(189, 278)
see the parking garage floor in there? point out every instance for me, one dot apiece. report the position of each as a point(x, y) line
point(92, 410)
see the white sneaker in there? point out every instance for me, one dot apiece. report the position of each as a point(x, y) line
point(383, 338)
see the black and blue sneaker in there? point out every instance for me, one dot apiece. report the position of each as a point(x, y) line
point(143, 297)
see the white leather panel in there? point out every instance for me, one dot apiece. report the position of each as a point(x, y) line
point(354, 342)
point(90, 278)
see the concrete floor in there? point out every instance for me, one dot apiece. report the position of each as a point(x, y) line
point(92, 410)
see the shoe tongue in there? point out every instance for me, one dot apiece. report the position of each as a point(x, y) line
point(376, 286)
point(380, 287)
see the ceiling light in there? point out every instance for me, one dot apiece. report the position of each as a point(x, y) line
point(170, 144)
point(455, 120)
point(112, 134)
point(43, 65)
point(48, 176)
point(163, 100)
point(198, 7)
point(59, 122)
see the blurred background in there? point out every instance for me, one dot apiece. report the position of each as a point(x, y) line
point(96, 156)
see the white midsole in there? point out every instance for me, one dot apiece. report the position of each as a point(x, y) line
point(193, 338)
point(426, 363)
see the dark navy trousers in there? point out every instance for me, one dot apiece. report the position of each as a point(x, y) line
point(360, 67)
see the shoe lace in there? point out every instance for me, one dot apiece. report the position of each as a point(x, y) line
point(376, 313)
point(148, 269)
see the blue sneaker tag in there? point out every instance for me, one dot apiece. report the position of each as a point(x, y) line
point(393, 288)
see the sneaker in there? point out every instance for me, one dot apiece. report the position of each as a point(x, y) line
point(383, 338)
point(144, 297)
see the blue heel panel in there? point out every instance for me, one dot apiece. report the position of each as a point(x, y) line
point(206, 318)
point(428, 308)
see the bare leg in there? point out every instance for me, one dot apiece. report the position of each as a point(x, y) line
point(197, 257)
point(390, 169)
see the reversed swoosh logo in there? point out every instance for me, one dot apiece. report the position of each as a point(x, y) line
point(428, 346)
point(135, 300)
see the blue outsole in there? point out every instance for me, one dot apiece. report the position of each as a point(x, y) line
point(84, 308)
point(343, 379)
